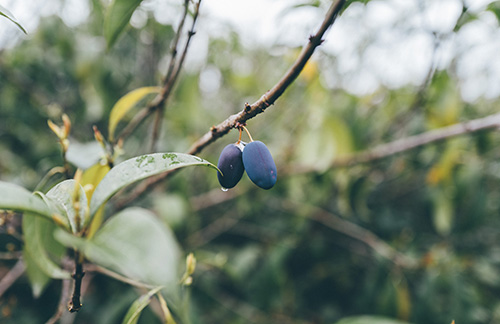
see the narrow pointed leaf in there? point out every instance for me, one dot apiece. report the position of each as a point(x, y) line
point(125, 104)
point(139, 168)
point(39, 243)
point(62, 196)
point(5, 13)
point(38, 279)
point(14, 197)
point(138, 306)
point(117, 18)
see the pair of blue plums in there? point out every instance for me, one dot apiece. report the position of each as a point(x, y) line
point(255, 159)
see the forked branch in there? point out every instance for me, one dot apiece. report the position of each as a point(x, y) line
point(250, 111)
point(272, 95)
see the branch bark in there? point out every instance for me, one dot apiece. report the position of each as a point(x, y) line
point(75, 304)
point(272, 95)
point(11, 276)
point(254, 109)
point(409, 143)
point(353, 231)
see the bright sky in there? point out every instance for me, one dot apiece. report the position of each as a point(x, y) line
point(391, 56)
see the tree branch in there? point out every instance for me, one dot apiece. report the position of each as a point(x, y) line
point(354, 231)
point(272, 95)
point(10, 255)
point(168, 82)
point(75, 304)
point(254, 109)
point(11, 276)
point(65, 289)
point(409, 143)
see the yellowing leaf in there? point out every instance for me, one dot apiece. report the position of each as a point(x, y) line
point(442, 170)
point(125, 104)
point(92, 176)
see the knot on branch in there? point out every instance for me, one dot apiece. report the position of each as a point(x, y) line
point(314, 39)
point(247, 107)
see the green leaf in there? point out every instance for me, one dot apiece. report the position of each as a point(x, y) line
point(443, 213)
point(134, 243)
point(319, 147)
point(495, 8)
point(62, 196)
point(14, 197)
point(39, 243)
point(5, 13)
point(367, 319)
point(38, 279)
point(117, 18)
point(125, 104)
point(135, 310)
point(139, 168)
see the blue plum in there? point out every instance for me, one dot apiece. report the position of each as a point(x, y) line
point(259, 165)
point(231, 165)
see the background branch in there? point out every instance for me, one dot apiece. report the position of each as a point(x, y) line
point(65, 289)
point(411, 142)
point(11, 276)
point(272, 95)
point(168, 82)
point(354, 231)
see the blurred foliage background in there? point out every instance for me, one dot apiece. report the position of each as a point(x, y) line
point(413, 237)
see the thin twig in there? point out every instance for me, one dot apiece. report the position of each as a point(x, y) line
point(213, 230)
point(168, 79)
point(245, 310)
point(116, 276)
point(405, 144)
point(138, 118)
point(253, 110)
point(175, 43)
point(174, 75)
point(354, 231)
point(11, 276)
point(11, 255)
point(279, 88)
point(155, 133)
point(65, 289)
point(214, 197)
point(168, 82)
